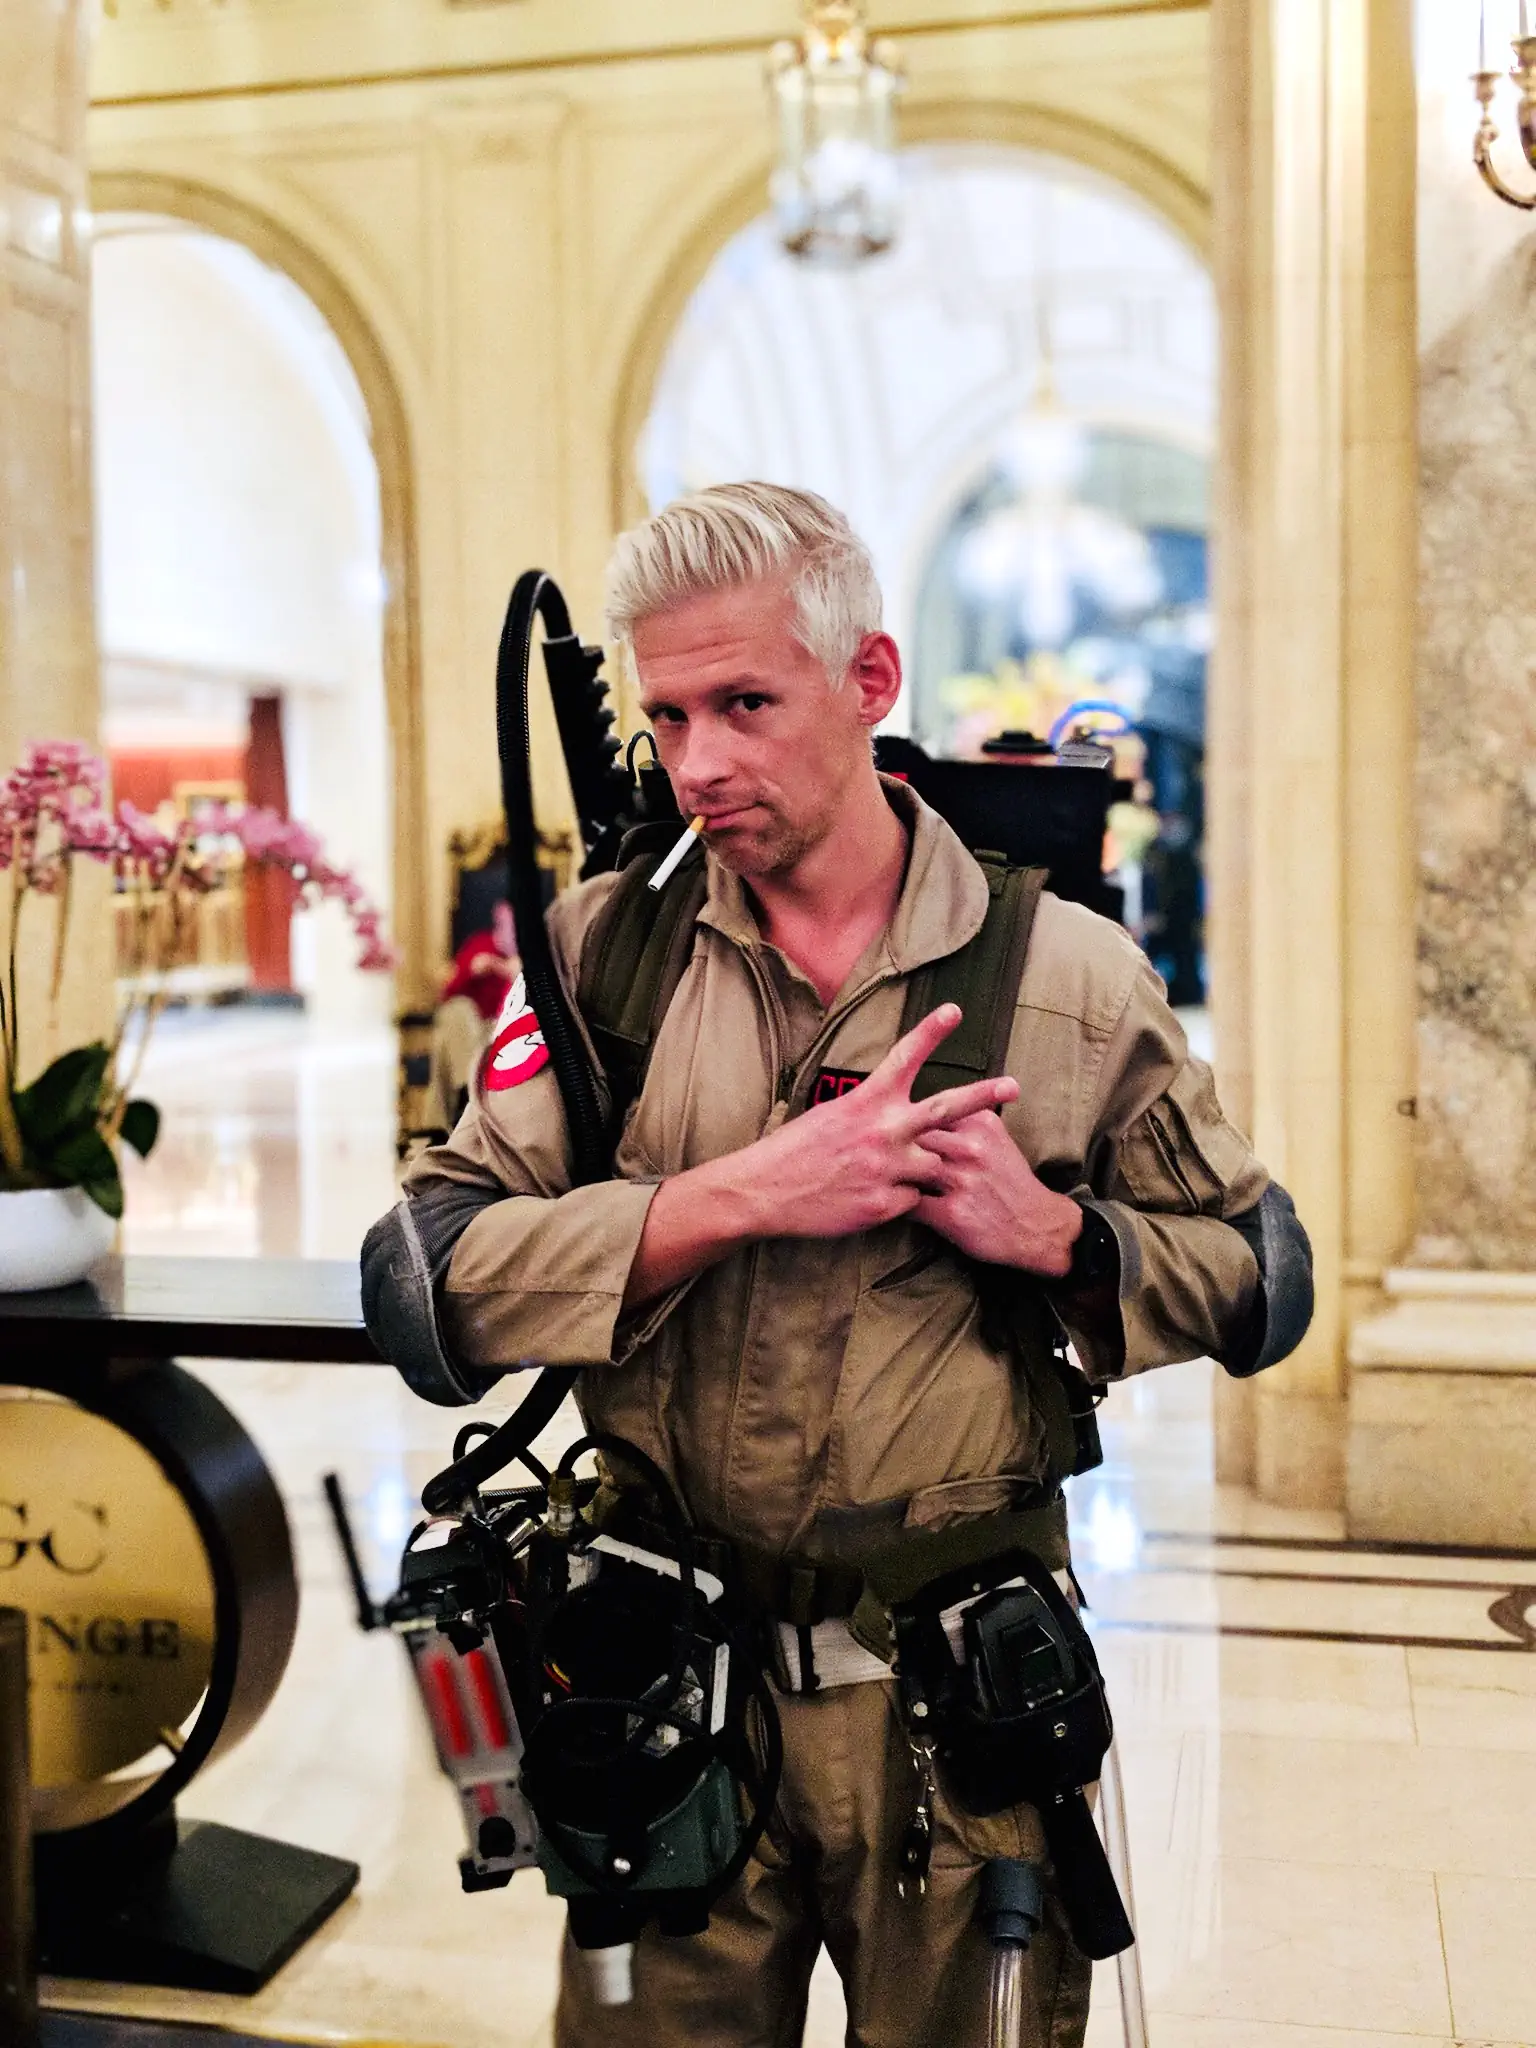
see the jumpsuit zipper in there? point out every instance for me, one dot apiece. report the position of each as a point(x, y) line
point(788, 1082)
point(832, 1023)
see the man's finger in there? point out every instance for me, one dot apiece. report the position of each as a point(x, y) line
point(925, 1170)
point(942, 1143)
point(901, 1065)
point(954, 1105)
point(949, 1141)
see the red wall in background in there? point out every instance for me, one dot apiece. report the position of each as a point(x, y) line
point(147, 776)
point(269, 895)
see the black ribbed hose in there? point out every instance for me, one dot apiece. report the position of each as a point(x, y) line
point(535, 595)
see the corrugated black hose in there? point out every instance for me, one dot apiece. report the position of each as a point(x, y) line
point(579, 709)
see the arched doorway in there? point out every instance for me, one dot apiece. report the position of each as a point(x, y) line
point(240, 581)
point(128, 196)
point(1029, 303)
point(241, 605)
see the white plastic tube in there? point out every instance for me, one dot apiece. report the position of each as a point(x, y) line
point(1117, 1846)
point(1006, 2014)
point(613, 1973)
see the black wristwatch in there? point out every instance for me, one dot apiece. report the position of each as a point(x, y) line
point(1095, 1256)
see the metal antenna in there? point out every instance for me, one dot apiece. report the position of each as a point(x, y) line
point(368, 1616)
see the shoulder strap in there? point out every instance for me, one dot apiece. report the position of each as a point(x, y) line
point(983, 977)
point(634, 960)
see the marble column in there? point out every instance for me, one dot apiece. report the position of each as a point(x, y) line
point(1477, 784)
point(1443, 1415)
point(49, 685)
point(1312, 688)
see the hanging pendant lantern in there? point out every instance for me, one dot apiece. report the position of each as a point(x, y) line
point(834, 190)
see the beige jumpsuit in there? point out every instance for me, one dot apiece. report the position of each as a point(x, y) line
point(806, 1393)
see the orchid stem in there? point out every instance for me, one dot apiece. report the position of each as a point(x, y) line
point(157, 930)
point(13, 1153)
point(124, 1095)
point(61, 935)
point(13, 1044)
point(12, 1150)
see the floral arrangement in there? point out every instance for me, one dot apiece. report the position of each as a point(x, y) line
point(64, 1128)
point(1024, 696)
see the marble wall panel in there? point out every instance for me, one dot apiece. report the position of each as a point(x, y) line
point(1477, 782)
point(48, 671)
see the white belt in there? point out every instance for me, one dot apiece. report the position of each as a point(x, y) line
point(836, 1659)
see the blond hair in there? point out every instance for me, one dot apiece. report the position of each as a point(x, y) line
point(733, 534)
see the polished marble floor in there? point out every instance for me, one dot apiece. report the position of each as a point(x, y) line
point(1330, 1752)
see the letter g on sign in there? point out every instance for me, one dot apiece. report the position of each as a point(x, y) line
point(76, 1550)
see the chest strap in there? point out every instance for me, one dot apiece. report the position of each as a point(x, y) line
point(983, 977)
point(635, 956)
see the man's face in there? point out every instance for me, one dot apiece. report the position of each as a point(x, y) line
point(753, 735)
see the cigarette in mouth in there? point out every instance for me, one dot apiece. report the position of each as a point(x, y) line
point(668, 868)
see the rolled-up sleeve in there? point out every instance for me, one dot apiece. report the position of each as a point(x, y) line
point(540, 1280)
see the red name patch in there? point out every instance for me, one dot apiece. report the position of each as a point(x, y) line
point(517, 1050)
point(832, 1082)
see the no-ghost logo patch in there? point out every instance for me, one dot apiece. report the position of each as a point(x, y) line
point(833, 1082)
point(517, 1050)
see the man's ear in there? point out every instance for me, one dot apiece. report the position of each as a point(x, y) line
point(875, 672)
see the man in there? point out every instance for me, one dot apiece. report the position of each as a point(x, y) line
point(780, 1303)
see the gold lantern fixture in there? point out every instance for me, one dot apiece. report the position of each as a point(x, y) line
point(1485, 84)
point(834, 89)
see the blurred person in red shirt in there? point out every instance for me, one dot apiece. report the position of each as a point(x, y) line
point(484, 969)
point(484, 966)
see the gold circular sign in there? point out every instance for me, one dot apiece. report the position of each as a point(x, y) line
point(102, 1554)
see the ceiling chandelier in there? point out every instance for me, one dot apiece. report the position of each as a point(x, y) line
point(834, 90)
point(1046, 550)
point(1485, 84)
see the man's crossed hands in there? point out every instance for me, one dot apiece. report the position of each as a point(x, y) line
point(865, 1159)
point(874, 1154)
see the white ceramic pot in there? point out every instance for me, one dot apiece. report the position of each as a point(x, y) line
point(50, 1237)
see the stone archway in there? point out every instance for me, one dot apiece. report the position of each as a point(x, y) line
point(1012, 123)
point(221, 213)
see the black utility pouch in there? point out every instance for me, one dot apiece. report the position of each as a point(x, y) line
point(998, 1672)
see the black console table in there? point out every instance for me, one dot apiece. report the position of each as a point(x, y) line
point(304, 1310)
point(124, 1889)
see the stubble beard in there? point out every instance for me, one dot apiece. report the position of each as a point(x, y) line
point(773, 848)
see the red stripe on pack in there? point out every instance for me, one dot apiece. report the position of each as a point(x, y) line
point(447, 1707)
point(482, 1683)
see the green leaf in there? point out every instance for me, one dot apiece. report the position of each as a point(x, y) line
point(141, 1126)
point(106, 1194)
point(79, 1158)
point(63, 1098)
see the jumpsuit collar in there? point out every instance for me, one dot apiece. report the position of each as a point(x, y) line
point(943, 900)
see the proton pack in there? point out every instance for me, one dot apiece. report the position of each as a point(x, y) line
point(599, 1704)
